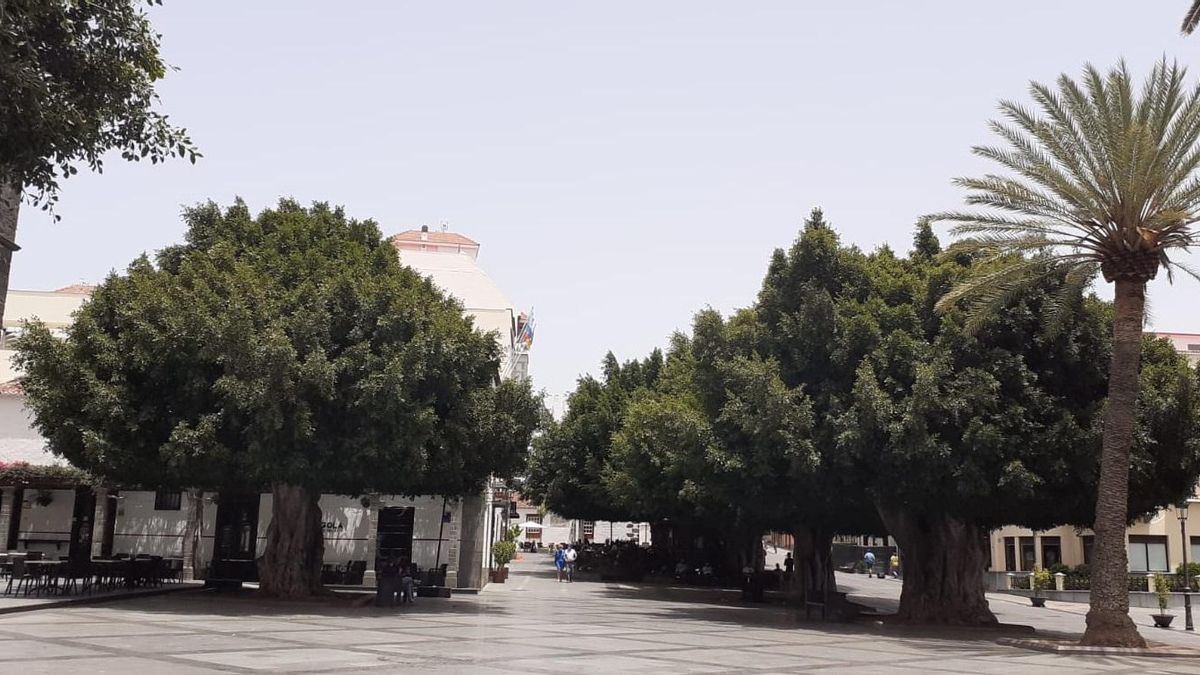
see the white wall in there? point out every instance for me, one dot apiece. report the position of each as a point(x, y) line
point(49, 522)
point(139, 528)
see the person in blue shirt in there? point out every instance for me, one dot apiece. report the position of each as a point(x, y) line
point(869, 559)
point(560, 560)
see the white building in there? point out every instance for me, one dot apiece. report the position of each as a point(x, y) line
point(229, 531)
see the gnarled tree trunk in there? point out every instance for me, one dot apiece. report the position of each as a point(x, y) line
point(813, 553)
point(291, 564)
point(1108, 622)
point(944, 559)
point(10, 208)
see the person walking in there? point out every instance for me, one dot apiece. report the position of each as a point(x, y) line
point(894, 565)
point(869, 561)
point(789, 568)
point(570, 556)
point(560, 561)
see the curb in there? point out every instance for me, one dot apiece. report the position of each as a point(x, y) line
point(1054, 647)
point(97, 599)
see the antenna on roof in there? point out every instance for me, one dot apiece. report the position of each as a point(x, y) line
point(445, 226)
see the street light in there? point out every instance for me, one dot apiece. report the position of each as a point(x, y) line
point(1182, 509)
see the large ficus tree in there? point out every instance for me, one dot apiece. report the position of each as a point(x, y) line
point(77, 81)
point(289, 351)
point(1099, 181)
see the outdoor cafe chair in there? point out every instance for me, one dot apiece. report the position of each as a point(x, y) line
point(21, 575)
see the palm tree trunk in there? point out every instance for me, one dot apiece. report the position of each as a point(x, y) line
point(1108, 622)
point(10, 207)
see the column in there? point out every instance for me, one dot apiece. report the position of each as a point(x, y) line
point(470, 553)
point(453, 543)
point(99, 522)
point(6, 502)
point(191, 535)
point(372, 539)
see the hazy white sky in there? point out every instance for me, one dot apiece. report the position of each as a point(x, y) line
point(623, 164)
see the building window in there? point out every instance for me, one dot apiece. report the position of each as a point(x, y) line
point(1010, 554)
point(1028, 554)
point(533, 533)
point(589, 530)
point(1051, 552)
point(1194, 553)
point(1193, 348)
point(168, 500)
point(1088, 542)
point(1148, 554)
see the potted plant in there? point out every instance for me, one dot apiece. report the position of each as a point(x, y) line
point(503, 552)
point(1039, 581)
point(1162, 589)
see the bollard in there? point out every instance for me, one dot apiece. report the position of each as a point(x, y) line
point(1060, 581)
point(1008, 581)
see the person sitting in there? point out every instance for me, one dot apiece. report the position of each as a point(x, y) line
point(408, 583)
point(387, 583)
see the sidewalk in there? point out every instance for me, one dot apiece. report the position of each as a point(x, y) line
point(1056, 617)
point(10, 604)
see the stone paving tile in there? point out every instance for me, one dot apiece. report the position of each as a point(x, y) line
point(470, 632)
point(470, 651)
point(586, 629)
point(595, 643)
point(288, 660)
point(29, 649)
point(345, 637)
point(997, 668)
point(116, 665)
point(234, 624)
point(105, 629)
point(609, 663)
point(744, 659)
point(700, 640)
point(178, 644)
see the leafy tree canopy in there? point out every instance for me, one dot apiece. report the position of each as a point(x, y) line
point(78, 80)
point(291, 347)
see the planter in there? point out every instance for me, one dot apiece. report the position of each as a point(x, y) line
point(1162, 620)
point(1038, 602)
point(498, 576)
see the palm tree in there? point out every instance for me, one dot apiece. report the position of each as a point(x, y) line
point(1191, 19)
point(1103, 181)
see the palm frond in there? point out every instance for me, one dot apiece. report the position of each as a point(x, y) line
point(1191, 19)
point(1101, 173)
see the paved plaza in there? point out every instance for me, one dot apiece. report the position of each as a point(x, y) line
point(531, 624)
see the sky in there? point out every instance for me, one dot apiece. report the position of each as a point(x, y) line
point(623, 164)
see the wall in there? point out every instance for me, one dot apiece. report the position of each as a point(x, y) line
point(50, 522)
point(139, 528)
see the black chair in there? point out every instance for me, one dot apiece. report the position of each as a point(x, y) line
point(20, 574)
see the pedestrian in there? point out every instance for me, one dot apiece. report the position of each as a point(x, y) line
point(560, 561)
point(387, 584)
point(869, 561)
point(894, 565)
point(408, 583)
point(789, 567)
point(570, 556)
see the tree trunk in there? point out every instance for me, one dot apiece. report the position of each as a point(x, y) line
point(1108, 622)
point(291, 564)
point(812, 552)
point(10, 207)
point(944, 559)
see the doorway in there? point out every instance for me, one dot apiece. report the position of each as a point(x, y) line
point(80, 548)
point(395, 535)
point(235, 548)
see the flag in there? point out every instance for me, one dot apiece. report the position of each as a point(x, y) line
point(525, 338)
